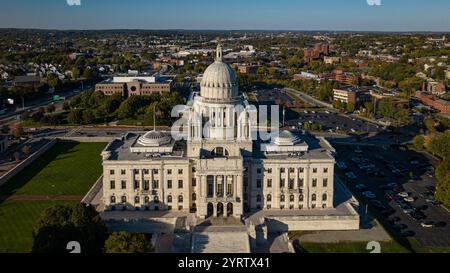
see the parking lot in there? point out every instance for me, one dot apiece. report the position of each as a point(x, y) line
point(400, 184)
point(333, 122)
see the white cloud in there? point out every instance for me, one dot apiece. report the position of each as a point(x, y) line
point(73, 2)
point(374, 2)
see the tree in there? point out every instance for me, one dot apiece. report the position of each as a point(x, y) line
point(122, 242)
point(88, 116)
point(419, 142)
point(26, 150)
point(18, 132)
point(443, 182)
point(350, 107)
point(369, 106)
point(75, 116)
point(59, 225)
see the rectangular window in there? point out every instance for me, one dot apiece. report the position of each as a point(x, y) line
point(282, 183)
point(291, 184)
point(291, 170)
point(155, 184)
point(180, 171)
point(258, 183)
point(111, 172)
point(169, 184)
point(325, 170)
point(146, 185)
point(136, 171)
point(112, 184)
point(136, 184)
point(269, 170)
point(180, 184)
point(169, 171)
point(282, 170)
point(314, 182)
point(269, 183)
point(124, 184)
point(123, 172)
point(155, 171)
point(325, 182)
point(301, 182)
point(301, 170)
point(194, 182)
point(314, 170)
point(258, 171)
point(146, 171)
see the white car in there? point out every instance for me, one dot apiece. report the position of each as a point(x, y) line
point(427, 224)
point(403, 194)
point(409, 199)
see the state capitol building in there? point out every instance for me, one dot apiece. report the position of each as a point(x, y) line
point(218, 170)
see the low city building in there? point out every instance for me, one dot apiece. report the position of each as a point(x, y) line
point(428, 99)
point(351, 95)
point(135, 85)
point(332, 60)
point(33, 81)
point(341, 77)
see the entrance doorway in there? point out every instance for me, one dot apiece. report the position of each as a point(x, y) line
point(219, 209)
point(230, 209)
point(210, 210)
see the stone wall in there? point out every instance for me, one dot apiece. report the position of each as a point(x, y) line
point(22, 165)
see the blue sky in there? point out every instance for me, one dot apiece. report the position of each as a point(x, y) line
point(392, 15)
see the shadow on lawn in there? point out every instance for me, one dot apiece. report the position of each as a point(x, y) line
point(26, 175)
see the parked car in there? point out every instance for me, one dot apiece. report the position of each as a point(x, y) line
point(409, 199)
point(428, 224)
point(403, 194)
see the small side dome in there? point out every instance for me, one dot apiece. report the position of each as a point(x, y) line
point(154, 139)
point(287, 138)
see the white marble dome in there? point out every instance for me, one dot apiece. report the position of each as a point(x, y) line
point(154, 139)
point(287, 138)
point(219, 80)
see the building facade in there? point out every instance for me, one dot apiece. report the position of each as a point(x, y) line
point(134, 85)
point(219, 169)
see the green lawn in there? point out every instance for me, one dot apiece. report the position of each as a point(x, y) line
point(348, 247)
point(68, 168)
point(17, 219)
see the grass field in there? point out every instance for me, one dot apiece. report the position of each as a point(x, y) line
point(66, 169)
point(17, 219)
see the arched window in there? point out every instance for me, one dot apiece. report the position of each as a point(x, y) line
point(269, 198)
point(169, 199)
point(156, 200)
point(113, 199)
point(258, 198)
point(314, 197)
point(324, 197)
point(147, 200)
point(180, 199)
point(137, 200)
point(282, 198)
point(194, 197)
point(124, 199)
point(291, 198)
point(300, 198)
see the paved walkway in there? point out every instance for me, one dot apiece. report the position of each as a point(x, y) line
point(42, 198)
